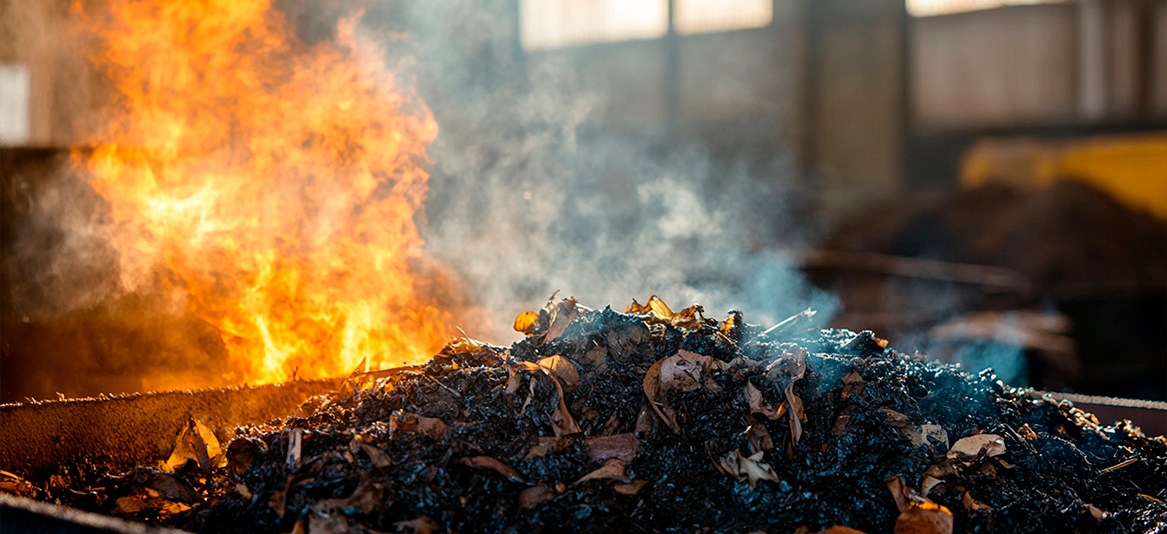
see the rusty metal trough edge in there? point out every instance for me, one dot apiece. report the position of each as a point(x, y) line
point(19, 516)
point(127, 430)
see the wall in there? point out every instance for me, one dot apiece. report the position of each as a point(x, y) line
point(997, 67)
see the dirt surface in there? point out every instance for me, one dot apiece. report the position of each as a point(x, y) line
point(653, 421)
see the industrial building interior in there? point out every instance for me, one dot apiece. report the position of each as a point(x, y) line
point(361, 266)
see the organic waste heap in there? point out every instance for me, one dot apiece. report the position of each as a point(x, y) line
point(656, 421)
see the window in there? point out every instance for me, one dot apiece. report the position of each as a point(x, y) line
point(559, 23)
point(927, 8)
point(14, 95)
point(702, 16)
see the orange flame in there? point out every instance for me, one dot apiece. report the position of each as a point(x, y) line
point(277, 181)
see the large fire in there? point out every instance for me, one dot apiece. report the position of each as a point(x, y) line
point(270, 184)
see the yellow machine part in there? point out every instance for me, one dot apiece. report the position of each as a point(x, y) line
point(1130, 167)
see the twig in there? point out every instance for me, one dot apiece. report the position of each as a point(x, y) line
point(1120, 465)
point(808, 313)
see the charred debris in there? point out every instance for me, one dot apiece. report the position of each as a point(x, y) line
point(651, 421)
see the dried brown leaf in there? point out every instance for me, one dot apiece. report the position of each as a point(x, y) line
point(757, 435)
point(977, 447)
point(130, 504)
point(689, 318)
point(683, 371)
point(526, 322)
point(463, 345)
point(789, 367)
point(900, 492)
point(327, 523)
point(377, 456)
point(924, 518)
point(629, 488)
point(561, 420)
point(563, 369)
point(421, 525)
point(196, 442)
point(652, 390)
point(432, 427)
point(535, 495)
point(295, 440)
point(843, 421)
point(645, 420)
point(368, 497)
point(242, 451)
point(940, 469)
point(620, 446)
point(897, 419)
point(973, 506)
point(796, 414)
point(1096, 514)
point(611, 425)
point(852, 384)
point(750, 469)
point(613, 468)
point(279, 498)
point(543, 445)
point(561, 316)
point(486, 462)
point(926, 434)
point(927, 483)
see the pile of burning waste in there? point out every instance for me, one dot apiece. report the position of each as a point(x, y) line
point(654, 421)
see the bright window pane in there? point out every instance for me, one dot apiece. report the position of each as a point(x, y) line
point(14, 98)
point(701, 16)
point(558, 23)
point(927, 8)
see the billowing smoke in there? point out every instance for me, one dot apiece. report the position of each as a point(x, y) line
point(531, 193)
